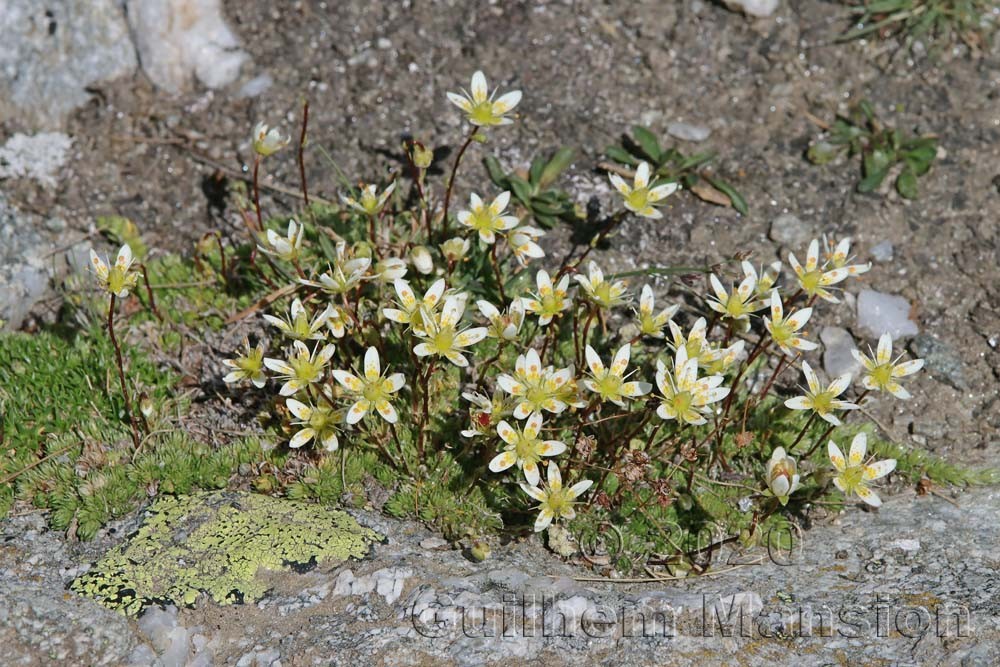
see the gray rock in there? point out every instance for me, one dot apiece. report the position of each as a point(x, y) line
point(181, 41)
point(880, 313)
point(688, 132)
point(755, 8)
point(53, 51)
point(882, 251)
point(788, 230)
point(837, 347)
point(39, 157)
point(941, 360)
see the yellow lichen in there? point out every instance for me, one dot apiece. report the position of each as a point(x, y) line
point(215, 543)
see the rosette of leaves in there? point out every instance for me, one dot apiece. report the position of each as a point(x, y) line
point(882, 149)
point(547, 205)
point(930, 21)
point(671, 166)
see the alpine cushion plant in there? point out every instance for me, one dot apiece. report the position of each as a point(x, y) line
point(508, 380)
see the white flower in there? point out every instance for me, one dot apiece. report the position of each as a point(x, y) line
point(455, 249)
point(372, 389)
point(302, 368)
point(345, 274)
point(882, 373)
point(479, 105)
point(318, 422)
point(535, 388)
point(267, 141)
point(247, 366)
point(121, 277)
point(685, 397)
point(854, 474)
point(505, 326)
point(822, 401)
point(410, 310)
point(523, 243)
point(548, 302)
point(602, 292)
point(389, 269)
point(839, 255)
point(441, 336)
point(740, 303)
point(782, 476)
point(488, 220)
point(525, 448)
point(639, 198)
point(784, 330)
point(813, 279)
point(285, 248)
point(485, 414)
point(609, 383)
point(298, 326)
point(650, 324)
point(370, 202)
point(555, 502)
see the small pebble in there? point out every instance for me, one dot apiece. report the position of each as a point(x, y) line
point(880, 313)
point(688, 132)
point(882, 252)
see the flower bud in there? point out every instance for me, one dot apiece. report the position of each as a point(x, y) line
point(455, 249)
point(422, 157)
point(267, 141)
point(782, 477)
point(422, 260)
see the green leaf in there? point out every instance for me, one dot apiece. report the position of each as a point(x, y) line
point(620, 155)
point(876, 161)
point(648, 143)
point(494, 171)
point(872, 180)
point(906, 184)
point(695, 161)
point(822, 152)
point(739, 203)
point(521, 189)
point(535, 172)
point(558, 163)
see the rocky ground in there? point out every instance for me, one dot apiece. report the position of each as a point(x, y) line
point(158, 143)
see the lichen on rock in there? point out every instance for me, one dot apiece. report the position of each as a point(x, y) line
point(217, 543)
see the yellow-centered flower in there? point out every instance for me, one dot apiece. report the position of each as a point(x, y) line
point(536, 388)
point(639, 197)
point(302, 368)
point(548, 302)
point(503, 326)
point(684, 397)
point(882, 373)
point(410, 310)
point(854, 474)
point(609, 382)
point(298, 325)
point(784, 331)
point(121, 277)
point(441, 336)
point(267, 141)
point(525, 448)
point(603, 293)
point(813, 278)
point(286, 248)
point(490, 219)
point(650, 324)
point(741, 302)
point(555, 501)
point(247, 366)
point(371, 390)
point(523, 243)
point(318, 422)
point(480, 107)
point(370, 202)
point(823, 401)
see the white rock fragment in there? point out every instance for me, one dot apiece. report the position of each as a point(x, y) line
point(183, 40)
point(792, 232)
point(38, 157)
point(907, 545)
point(880, 313)
point(837, 347)
point(757, 8)
point(688, 132)
point(882, 251)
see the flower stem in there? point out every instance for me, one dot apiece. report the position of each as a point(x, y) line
point(451, 180)
point(121, 372)
point(256, 193)
point(302, 147)
point(496, 272)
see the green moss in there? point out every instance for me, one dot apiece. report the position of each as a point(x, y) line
point(217, 543)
